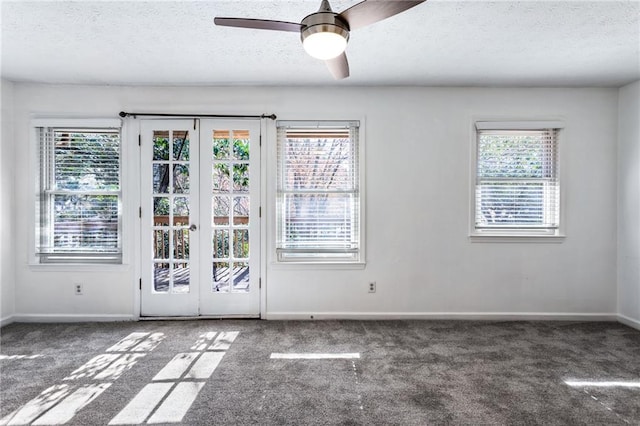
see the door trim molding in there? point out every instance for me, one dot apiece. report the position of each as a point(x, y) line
point(136, 131)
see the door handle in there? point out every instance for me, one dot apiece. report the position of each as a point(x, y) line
point(193, 228)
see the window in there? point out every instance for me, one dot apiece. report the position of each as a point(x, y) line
point(318, 192)
point(79, 202)
point(517, 188)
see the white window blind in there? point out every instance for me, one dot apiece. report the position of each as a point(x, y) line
point(517, 186)
point(79, 211)
point(318, 197)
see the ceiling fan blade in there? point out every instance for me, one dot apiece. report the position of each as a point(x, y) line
point(371, 11)
point(338, 66)
point(260, 24)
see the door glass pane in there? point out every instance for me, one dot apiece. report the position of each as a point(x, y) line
point(160, 211)
point(161, 277)
point(160, 145)
point(241, 177)
point(241, 144)
point(241, 210)
point(181, 244)
point(241, 243)
point(221, 243)
point(220, 210)
point(180, 179)
point(220, 176)
point(221, 144)
point(181, 145)
point(180, 275)
point(160, 178)
point(160, 244)
point(221, 276)
point(241, 277)
point(181, 211)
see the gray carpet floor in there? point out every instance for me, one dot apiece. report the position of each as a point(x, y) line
point(224, 372)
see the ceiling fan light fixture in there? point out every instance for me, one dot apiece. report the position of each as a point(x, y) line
point(324, 34)
point(325, 41)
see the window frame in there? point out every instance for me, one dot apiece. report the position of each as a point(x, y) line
point(354, 258)
point(516, 234)
point(62, 258)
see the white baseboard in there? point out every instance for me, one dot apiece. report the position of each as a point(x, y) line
point(6, 320)
point(633, 323)
point(71, 318)
point(478, 316)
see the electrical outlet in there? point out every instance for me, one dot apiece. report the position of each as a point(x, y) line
point(78, 289)
point(372, 287)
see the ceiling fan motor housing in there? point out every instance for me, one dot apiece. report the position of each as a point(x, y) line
point(324, 22)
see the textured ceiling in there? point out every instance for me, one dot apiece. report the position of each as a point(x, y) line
point(437, 43)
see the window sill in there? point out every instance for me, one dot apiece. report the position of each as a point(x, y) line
point(78, 267)
point(318, 265)
point(516, 238)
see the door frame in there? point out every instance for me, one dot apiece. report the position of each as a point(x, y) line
point(132, 128)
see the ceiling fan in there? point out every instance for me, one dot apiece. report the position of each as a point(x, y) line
point(325, 34)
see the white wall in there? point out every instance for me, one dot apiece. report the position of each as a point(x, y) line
point(418, 143)
point(629, 204)
point(7, 206)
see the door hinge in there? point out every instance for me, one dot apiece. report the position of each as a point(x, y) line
point(140, 283)
point(259, 282)
point(194, 123)
point(139, 140)
point(260, 140)
point(140, 212)
point(260, 211)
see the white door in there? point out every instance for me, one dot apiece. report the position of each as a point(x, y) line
point(200, 186)
point(230, 200)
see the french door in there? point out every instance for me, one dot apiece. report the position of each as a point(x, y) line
point(200, 190)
